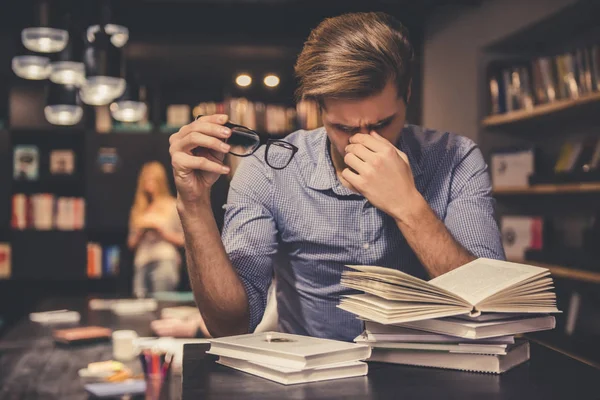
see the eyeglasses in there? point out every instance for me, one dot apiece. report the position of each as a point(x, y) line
point(244, 142)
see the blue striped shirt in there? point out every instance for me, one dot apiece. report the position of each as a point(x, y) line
point(302, 226)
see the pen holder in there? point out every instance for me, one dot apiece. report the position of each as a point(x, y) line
point(157, 373)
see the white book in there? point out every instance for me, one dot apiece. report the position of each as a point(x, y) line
point(490, 363)
point(474, 348)
point(481, 286)
point(482, 330)
point(292, 376)
point(288, 350)
point(392, 333)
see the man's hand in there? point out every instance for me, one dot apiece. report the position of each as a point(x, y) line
point(197, 153)
point(381, 173)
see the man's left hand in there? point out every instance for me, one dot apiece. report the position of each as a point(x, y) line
point(381, 173)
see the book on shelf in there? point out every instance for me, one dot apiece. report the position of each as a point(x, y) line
point(520, 85)
point(480, 286)
point(291, 376)
point(288, 350)
point(62, 162)
point(516, 354)
point(45, 211)
point(102, 261)
point(5, 260)
point(26, 162)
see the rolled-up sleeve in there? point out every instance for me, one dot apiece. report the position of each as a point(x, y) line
point(249, 232)
point(470, 216)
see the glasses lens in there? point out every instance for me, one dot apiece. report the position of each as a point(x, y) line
point(243, 141)
point(279, 154)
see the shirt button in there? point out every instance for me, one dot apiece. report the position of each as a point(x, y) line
point(365, 246)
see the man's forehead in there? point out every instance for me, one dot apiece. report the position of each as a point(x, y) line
point(360, 121)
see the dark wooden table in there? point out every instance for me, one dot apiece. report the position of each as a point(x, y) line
point(32, 366)
point(547, 375)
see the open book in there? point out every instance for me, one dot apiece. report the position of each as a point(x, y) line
point(483, 285)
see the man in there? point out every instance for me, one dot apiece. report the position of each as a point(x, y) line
point(364, 189)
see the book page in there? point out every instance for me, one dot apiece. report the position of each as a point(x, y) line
point(481, 278)
point(400, 278)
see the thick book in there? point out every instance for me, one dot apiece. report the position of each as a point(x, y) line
point(392, 333)
point(481, 286)
point(491, 363)
point(483, 330)
point(288, 350)
point(470, 347)
point(292, 376)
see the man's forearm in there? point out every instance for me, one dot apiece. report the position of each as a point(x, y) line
point(435, 247)
point(217, 288)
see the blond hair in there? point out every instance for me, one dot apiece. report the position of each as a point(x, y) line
point(140, 201)
point(353, 56)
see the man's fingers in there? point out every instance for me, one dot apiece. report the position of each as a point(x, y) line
point(214, 118)
point(209, 124)
point(369, 142)
point(352, 177)
point(355, 163)
point(197, 139)
point(403, 156)
point(361, 151)
point(185, 162)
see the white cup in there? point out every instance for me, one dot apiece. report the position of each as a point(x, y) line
point(124, 347)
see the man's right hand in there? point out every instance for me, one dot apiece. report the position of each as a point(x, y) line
point(197, 153)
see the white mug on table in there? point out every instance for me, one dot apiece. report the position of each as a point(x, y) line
point(124, 345)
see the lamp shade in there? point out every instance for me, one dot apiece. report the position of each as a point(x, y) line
point(44, 39)
point(103, 69)
point(67, 68)
point(31, 67)
point(62, 105)
point(119, 35)
point(129, 107)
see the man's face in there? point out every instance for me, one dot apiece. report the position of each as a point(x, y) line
point(384, 113)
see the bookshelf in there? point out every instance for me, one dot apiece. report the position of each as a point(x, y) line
point(560, 271)
point(541, 111)
point(566, 188)
point(542, 93)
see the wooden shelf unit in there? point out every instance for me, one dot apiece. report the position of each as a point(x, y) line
point(560, 271)
point(564, 188)
point(539, 110)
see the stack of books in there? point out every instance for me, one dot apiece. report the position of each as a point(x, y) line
point(465, 319)
point(290, 359)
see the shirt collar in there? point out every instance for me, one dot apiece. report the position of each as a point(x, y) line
point(324, 177)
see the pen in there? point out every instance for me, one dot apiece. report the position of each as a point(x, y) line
point(144, 364)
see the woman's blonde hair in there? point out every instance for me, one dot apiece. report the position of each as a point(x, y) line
point(140, 201)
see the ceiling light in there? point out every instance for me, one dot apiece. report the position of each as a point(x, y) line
point(271, 80)
point(103, 71)
point(68, 73)
point(31, 67)
point(128, 111)
point(131, 105)
point(62, 105)
point(101, 90)
point(67, 69)
point(119, 35)
point(44, 40)
point(243, 80)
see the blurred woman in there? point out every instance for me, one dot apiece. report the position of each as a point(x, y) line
point(155, 233)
